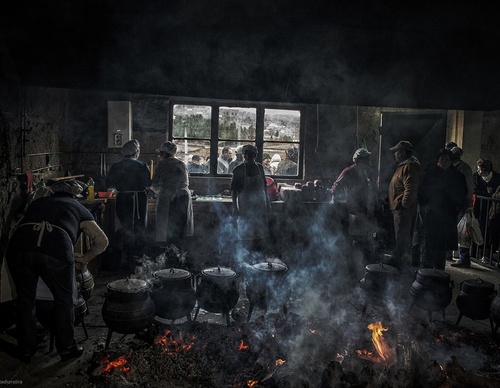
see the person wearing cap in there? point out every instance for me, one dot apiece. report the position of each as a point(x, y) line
point(41, 246)
point(289, 165)
point(462, 167)
point(224, 159)
point(402, 193)
point(356, 185)
point(450, 144)
point(442, 192)
point(174, 206)
point(237, 161)
point(131, 178)
point(196, 165)
point(266, 163)
point(250, 201)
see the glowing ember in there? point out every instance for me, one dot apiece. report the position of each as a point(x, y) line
point(175, 344)
point(118, 363)
point(280, 362)
point(385, 353)
point(252, 383)
point(243, 346)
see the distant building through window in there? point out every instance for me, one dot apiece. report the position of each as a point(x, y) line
point(203, 131)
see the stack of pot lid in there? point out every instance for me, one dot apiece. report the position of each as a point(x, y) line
point(128, 285)
point(218, 272)
point(173, 274)
point(270, 267)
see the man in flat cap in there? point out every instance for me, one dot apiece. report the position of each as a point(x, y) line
point(402, 191)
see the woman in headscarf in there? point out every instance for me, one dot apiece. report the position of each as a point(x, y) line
point(174, 207)
point(250, 200)
point(131, 177)
point(289, 165)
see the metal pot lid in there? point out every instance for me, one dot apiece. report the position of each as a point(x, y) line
point(479, 283)
point(270, 267)
point(128, 285)
point(381, 268)
point(433, 273)
point(173, 274)
point(219, 272)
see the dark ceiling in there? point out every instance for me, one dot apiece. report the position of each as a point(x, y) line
point(334, 52)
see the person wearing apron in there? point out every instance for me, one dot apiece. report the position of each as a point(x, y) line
point(250, 201)
point(131, 177)
point(41, 246)
point(174, 206)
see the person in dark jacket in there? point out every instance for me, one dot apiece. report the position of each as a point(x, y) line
point(442, 193)
point(485, 181)
point(289, 166)
point(402, 191)
point(42, 247)
point(357, 184)
point(131, 178)
point(250, 201)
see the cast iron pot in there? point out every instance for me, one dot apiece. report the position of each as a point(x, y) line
point(217, 289)
point(474, 300)
point(495, 313)
point(174, 294)
point(128, 307)
point(267, 286)
point(432, 289)
point(86, 281)
point(378, 277)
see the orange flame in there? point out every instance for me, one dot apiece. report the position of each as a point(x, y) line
point(118, 363)
point(243, 346)
point(279, 362)
point(383, 349)
point(252, 383)
point(386, 354)
point(172, 344)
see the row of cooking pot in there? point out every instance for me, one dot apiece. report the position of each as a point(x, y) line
point(130, 305)
point(432, 291)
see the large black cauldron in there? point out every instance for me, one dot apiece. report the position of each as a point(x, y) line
point(432, 290)
point(474, 300)
point(217, 291)
point(377, 282)
point(128, 307)
point(173, 294)
point(267, 286)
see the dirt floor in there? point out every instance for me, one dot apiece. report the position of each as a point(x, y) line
point(46, 369)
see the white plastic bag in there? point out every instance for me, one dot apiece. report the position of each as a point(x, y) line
point(475, 230)
point(469, 231)
point(464, 237)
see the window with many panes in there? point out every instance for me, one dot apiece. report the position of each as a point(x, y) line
point(209, 136)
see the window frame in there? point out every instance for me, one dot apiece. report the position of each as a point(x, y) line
point(259, 141)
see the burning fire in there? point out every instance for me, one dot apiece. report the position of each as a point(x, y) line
point(280, 362)
point(385, 353)
point(252, 383)
point(172, 344)
point(118, 363)
point(243, 346)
